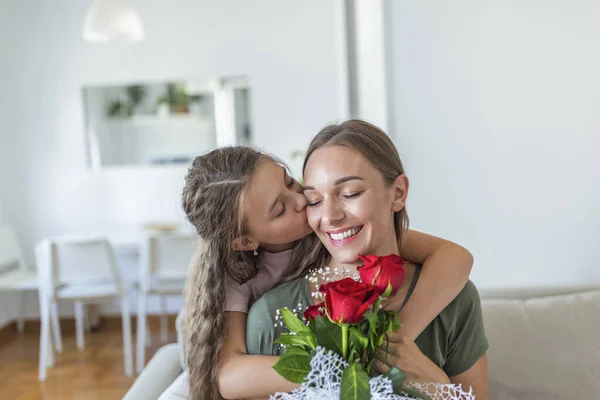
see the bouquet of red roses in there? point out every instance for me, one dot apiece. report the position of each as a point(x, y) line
point(350, 323)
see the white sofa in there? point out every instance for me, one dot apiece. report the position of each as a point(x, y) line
point(544, 344)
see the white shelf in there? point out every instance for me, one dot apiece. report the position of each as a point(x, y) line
point(155, 119)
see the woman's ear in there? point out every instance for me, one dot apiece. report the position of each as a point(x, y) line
point(400, 187)
point(244, 243)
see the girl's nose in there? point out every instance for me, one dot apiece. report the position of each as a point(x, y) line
point(300, 201)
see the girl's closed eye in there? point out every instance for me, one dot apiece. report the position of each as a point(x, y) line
point(283, 208)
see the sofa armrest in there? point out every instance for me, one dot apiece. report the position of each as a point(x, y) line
point(178, 390)
point(158, 374)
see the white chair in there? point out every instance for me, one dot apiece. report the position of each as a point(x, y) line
point(164, 261)
point(16, 277)
point(80, 270)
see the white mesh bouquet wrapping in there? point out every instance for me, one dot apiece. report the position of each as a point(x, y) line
point(324, 380)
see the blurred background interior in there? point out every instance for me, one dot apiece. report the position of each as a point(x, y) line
point(493, 105)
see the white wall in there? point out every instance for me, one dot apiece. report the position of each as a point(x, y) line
point(6, 312)
point(369, 32)
point(497, 110)
point(287, 48)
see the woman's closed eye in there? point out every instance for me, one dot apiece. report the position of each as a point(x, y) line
point(351, 195)
point(312, 203)
point(348, 196)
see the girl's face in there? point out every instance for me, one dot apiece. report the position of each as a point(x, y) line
point(275, 208)
point(349, 206)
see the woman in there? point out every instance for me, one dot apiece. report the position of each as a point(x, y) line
point(356, 191)
point(252, 220)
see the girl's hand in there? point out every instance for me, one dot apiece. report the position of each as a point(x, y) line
point(404, 354)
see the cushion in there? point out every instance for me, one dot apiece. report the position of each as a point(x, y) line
point(544, 348)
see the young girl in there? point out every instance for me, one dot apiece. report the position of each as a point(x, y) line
point(355, 183)
point(251, 217)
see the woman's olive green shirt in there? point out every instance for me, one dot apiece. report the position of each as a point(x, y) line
point(455, 340)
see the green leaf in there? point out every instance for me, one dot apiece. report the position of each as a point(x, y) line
point(310, 338)
point(298, 351)
point(378, 341)
point(396, 323)
point(398, 377)
point(382, 318)
point(389, 325)
point(355, 383)
point(372, 318)
point(354, 355)
point(312, 326)
point(292, 322)
point(294, 340)
point(388, 290)
point(293, 367)
point(369, 365)
point(358, 338)
point(329, 335)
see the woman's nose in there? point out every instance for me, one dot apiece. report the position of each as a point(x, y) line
point(332, 213)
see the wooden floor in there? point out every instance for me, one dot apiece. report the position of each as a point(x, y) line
point(97, 372)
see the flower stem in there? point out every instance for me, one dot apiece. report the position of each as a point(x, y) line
point(345, 341)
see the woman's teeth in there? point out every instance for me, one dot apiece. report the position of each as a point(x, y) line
point(345, 234)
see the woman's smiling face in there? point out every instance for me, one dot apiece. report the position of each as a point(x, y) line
point(350, 207)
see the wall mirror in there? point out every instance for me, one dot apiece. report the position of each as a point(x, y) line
point(165, 123)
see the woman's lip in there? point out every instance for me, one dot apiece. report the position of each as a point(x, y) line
point(343, 229)
point(344, 241)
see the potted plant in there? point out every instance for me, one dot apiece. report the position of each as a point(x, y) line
point(179, 99)
point(163, 108)
point(119, 109)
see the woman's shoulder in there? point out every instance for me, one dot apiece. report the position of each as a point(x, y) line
point(464, 304)
point(292, 295)
point(456, 339)
point(469, 295)
point(284, 294)
point(263, 326)
point(463, 317)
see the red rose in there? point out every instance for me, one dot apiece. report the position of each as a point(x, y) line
point(314, 311)
point(381, 271)
point(347, 300)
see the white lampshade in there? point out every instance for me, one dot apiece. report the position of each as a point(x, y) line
point(112, 19)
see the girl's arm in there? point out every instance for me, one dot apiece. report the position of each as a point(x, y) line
point(475, 377)
point(246, 376)
point(445, 272)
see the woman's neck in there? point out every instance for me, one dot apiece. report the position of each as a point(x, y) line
point(277, 248)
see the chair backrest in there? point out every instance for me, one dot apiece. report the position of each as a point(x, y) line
point(168, 256)
point(80, 260)
point(11, 254)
